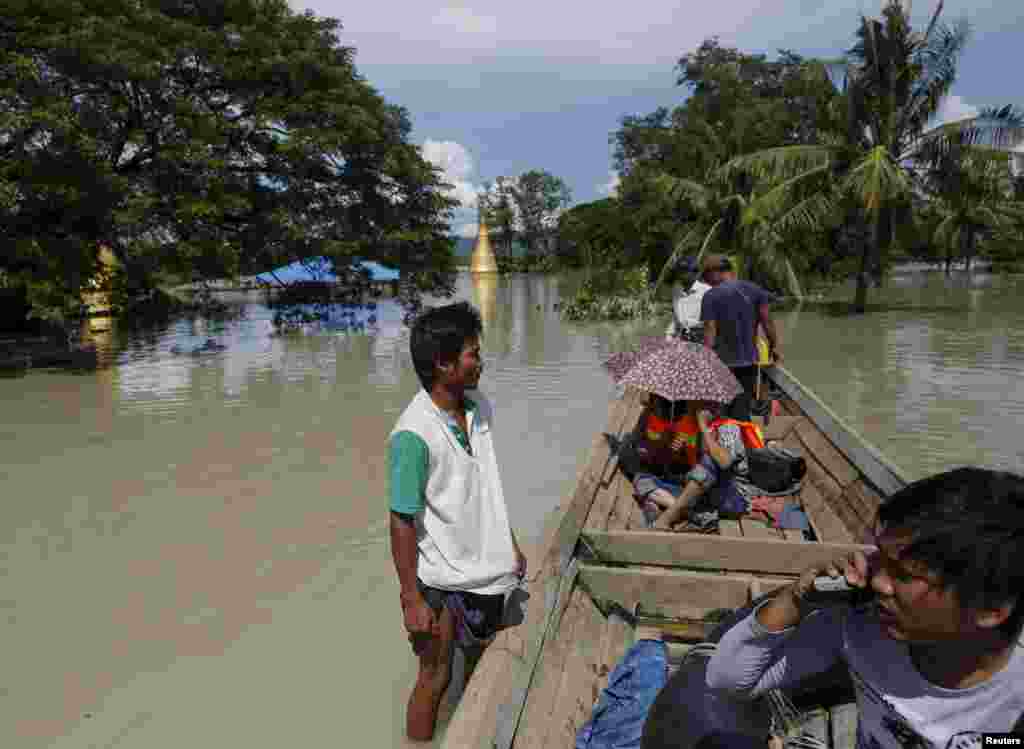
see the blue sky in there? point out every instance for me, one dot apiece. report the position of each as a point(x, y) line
point(499, 88)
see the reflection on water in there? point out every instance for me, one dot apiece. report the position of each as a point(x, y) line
point(195, 535)
point(931, 376)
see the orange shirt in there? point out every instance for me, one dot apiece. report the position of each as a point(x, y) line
point(660, 433)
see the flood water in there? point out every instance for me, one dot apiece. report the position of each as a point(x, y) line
point(194, 537)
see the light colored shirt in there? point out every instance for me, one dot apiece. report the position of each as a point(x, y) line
point(464, 540)
point(897, 707)
point(686, 307)
point(409, 464)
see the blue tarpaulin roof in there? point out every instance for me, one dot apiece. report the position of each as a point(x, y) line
point(319, 269)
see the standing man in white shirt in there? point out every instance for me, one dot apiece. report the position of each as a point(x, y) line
point(453, 548)
point(686, 322)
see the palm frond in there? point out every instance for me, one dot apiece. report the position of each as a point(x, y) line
point(682, 188)
point(778, 163)
point(979, 145)
point(684, 242)
point(936, 58)
point(807, 216)
point(934, 20)
point(944, 230)
point(877, 181)
point(771, 201)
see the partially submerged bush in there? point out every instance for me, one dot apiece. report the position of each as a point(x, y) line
point(613, 295)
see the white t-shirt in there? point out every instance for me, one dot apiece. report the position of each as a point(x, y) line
point(687, 306)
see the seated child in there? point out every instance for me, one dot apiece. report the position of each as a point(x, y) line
point(718, 482)
point(662, 451)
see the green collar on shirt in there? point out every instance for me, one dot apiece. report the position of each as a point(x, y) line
point(453, 425)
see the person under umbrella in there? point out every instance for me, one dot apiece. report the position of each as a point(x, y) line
point(681, 371)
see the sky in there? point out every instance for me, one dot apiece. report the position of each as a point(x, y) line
point(495, 89)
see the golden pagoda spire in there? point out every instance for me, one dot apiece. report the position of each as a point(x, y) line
point(483, 260)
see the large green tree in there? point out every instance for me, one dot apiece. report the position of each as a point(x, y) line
point(971, 182)
point(739, 103)
point(894, 82)
point(205, 139)
point(539, 198)
point(500, 212)
point(593, 235)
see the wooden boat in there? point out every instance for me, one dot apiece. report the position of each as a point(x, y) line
point(538, 682)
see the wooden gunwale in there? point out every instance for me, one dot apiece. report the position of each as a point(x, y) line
point(678, 581)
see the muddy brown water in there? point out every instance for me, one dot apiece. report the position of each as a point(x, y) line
point(194, 539)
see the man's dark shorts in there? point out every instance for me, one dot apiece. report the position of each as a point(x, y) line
point(477, 616)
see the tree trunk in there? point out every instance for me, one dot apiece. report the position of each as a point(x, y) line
point(882, 242)
point(969, 250)
point(871, 251)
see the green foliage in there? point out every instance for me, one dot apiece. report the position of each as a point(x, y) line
point(529, 263)
point(525, 209)
point(867, 166)
point(498, 207)
point(803, 175)
point(672, 186)
point(973, 185)
point(205, 140)
point(607, 295)
point(595, 235)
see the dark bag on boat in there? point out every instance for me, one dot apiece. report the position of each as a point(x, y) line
point(775, 469)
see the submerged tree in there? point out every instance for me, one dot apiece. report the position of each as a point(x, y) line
point(894, 81)
point(969, 173)
point(204, 140)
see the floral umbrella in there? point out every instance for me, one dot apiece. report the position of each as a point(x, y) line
point(680, 370)
point(620, 363)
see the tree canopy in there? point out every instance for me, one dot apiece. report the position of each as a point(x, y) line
point(202, 139)
point(820, 165)
point(526, 209)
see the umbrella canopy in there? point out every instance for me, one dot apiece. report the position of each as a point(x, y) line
point(680, 370)
point(620, 363)
point(320, 269)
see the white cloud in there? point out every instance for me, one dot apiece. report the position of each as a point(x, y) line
point(467, 230)
point(954, 108)
point(457, 165)
point(465, 21)
point(611, 187)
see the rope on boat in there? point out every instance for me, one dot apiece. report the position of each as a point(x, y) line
point(787, 721)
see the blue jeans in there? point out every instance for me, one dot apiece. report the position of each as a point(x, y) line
point(617, 721)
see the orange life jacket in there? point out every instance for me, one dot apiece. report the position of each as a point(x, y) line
point(661, 432)
point(753, 437)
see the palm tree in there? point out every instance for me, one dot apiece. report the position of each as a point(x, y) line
point(723, 210)
point(972, 181)
point(893, 84)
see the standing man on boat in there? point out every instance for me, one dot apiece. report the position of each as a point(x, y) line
point(731, 312)
point(686, 308)
point(452, 545)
